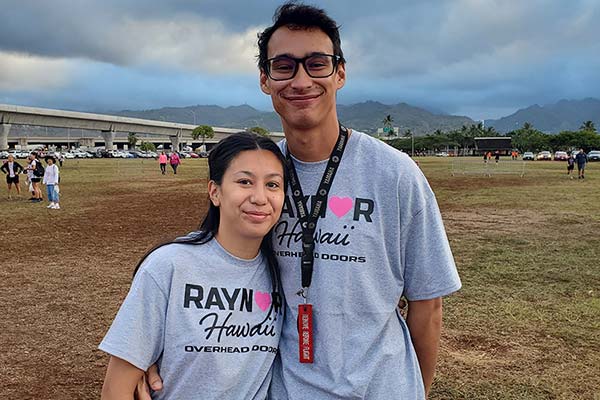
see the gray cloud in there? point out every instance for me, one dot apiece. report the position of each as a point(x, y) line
point(481, 57)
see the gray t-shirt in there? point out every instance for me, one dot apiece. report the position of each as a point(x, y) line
point(206, 317)
point(381, 236)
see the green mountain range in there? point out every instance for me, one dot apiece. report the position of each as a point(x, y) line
point(565, 115)
point(366, 117)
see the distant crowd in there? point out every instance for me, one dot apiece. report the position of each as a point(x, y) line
point(36, 175)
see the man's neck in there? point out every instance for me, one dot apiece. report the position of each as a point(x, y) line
point(314, 144)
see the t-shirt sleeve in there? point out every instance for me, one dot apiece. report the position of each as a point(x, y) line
point(137, 332)
point(429, 268)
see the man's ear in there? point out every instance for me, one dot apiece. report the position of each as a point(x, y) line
point(214, 193)
point(340, 76)
point(264, 86)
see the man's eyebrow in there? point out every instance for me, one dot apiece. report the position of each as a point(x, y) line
point(314, 53)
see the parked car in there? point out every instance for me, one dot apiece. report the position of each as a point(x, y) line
point(441, 154)
point(4, 154)
point(203, 154)
point(594, 155)
point(561, 156)
point(69, 155)
point(528, 156)
point(80, 154)
point(194, 155)
point(544, 155)
point(21, 154)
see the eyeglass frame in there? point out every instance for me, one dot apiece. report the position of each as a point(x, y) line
point(336, 59)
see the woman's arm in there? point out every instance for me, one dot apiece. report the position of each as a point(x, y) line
point(121, 380)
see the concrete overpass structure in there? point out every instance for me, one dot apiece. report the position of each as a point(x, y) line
point(106, 126)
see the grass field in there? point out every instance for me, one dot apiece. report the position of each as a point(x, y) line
point(526, 324)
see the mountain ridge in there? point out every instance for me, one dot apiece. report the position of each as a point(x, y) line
point(366, 116)
point(564, 115)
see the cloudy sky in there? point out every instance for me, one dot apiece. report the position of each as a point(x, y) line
point(480, 58)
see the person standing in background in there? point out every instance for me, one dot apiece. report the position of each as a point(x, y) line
point(162, 161)
point(581, 159)
point(175, 161)
point(12, 169)
point(51, 179)
point(35, 172)
point(571, 164)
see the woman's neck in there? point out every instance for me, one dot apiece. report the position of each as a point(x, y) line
point(246, 249)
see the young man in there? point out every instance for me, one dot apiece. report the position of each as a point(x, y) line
point(378, 235)
point(12, 169)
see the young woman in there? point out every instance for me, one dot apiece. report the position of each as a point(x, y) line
point(162, 161)
point(207, 307)
point(175, 161)
point(12, 169)
point(51, 181)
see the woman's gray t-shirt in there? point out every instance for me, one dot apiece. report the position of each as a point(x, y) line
point(206, 317)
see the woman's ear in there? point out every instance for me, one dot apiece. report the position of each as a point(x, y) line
point(214, 193)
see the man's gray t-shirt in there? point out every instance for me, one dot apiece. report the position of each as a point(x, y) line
point(381, 236)
point(206, 317)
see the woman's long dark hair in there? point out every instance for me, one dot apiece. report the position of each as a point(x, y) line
point(219, 160)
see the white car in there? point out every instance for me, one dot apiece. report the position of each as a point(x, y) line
point(593, 155)
point(69, 155)
point(79, 154)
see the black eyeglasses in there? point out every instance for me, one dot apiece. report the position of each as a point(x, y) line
point(318, 65)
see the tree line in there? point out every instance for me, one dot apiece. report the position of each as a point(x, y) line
point(526, 138)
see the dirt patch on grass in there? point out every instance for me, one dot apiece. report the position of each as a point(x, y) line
point(64, 278)
point(64, 273)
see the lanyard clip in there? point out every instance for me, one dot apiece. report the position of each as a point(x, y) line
point(303, 293)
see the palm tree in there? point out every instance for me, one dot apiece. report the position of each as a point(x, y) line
point(204, 131)
point(132, 140)
point(259, 130)
point(588, 126)
point(388, 125)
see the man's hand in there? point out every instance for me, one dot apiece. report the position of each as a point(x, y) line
point(150, 380)
point(425, 325)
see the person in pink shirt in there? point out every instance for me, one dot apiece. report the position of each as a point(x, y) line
point(175, 161)
point(162, 161)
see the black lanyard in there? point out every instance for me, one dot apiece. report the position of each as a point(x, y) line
point(308, 222)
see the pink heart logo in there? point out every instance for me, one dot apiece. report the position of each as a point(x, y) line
point(263, 300)
point(340, 205)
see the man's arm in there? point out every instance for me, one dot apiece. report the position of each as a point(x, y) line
point(121, 379)
point(425, 324)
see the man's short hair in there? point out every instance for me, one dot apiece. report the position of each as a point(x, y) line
point(299, 16)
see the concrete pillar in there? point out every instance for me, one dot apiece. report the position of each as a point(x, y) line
point(4, 136)
point(109, 137)
point(175, 142)
point(23, 143)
